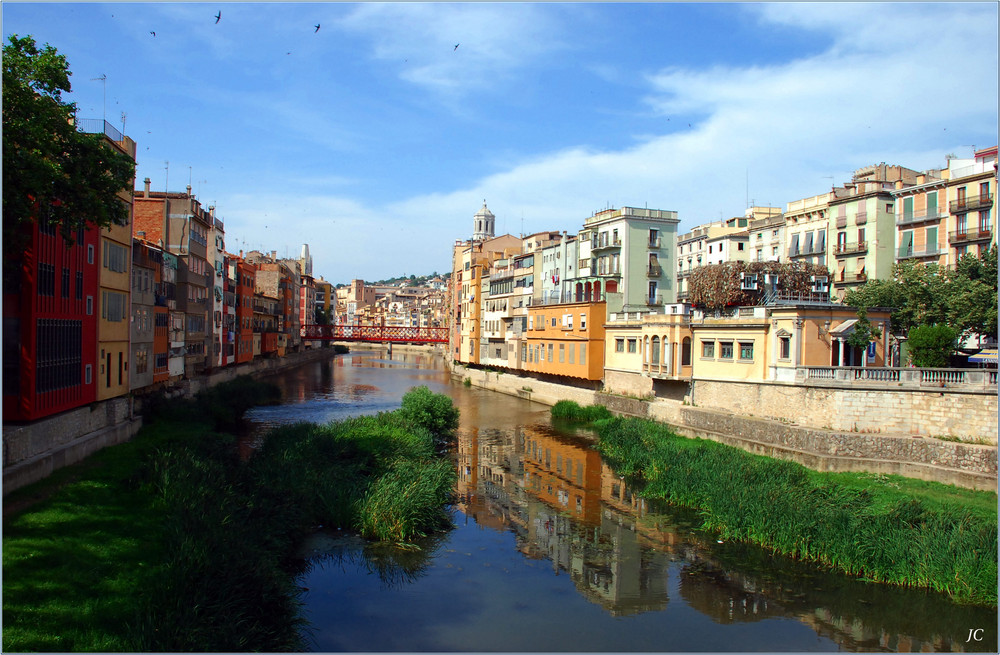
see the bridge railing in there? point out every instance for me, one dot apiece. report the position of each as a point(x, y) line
point(375, 333)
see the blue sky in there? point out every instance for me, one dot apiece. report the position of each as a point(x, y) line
point(375, 140)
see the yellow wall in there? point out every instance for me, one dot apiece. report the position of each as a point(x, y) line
point(566, 339)
point(113, 335)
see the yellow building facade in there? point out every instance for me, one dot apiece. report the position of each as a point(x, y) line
point(566, 339)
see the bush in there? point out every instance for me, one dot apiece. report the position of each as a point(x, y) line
point(571, 411)
point(432, 411)
point(931, 345)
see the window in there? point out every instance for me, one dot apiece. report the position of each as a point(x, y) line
point(572, 354)
point(631, 345)
point(583, 321)
point(725, 349)
point(784, 347)
point(46, 279)
point(619, 345)
point(65, 282)
point(114, 257)
point(739, 245)
point(708, 349)
point(861, 235)
point(583, 354)
point(553, 321)
point(59, 354)
point(90, 305)
point(984, 221)
point(562, 353)
point(113, 306)
point(746, 350)
point(551, 350)
point(90, 254)
point(79, 285)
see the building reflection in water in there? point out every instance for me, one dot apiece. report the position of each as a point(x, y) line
point(566, 506)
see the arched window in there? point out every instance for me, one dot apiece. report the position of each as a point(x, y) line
point(686, 352)
point(579, 291)
point(597, 292)
point(654, 354)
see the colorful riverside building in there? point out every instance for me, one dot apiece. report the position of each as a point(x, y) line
point(177, 222)
point(949, 212)
point(51, 310)
point(470, 260)
point(147, 268)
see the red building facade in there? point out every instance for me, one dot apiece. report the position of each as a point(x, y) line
point(50, 324)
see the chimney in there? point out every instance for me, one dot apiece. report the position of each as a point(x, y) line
point(241, 254)
point(145, 193)
point(274, 255)
point(189, 190)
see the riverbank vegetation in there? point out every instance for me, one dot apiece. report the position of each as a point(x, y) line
point(882, 528)
point(171, 542)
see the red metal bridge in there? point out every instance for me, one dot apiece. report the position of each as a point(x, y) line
point(375, 333)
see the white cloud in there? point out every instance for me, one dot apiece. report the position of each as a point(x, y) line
point(493, 40)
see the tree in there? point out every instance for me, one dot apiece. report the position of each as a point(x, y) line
point(931, 345)
point(718, 286)
point(50, 168)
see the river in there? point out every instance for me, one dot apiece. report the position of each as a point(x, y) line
point(552, 551)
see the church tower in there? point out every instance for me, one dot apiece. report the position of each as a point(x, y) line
point(483, 224)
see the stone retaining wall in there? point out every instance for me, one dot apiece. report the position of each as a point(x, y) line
point(929, 412)
point(964, 464)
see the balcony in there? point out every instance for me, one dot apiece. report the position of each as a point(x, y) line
point(967, 236)
point(655, 242)
point(606, 243)
point(654, 270)
point(655, 299)
point(852, 278)
point(920, 217)
point(912, 253)
point(972, 203)
point(851, 248)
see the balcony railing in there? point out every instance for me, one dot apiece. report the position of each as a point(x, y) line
point(962, 378)
point(981, 234)
point(852, 278)
point(655, 243)
point(920, 217)
point(972, 203)
point(605, 243)
point(851, 248)
point(913, 253)
point(654, 270)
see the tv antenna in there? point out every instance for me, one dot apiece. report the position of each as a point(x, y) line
point(103, 79)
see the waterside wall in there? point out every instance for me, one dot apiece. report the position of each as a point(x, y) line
point(33, 451)
point(970, 465)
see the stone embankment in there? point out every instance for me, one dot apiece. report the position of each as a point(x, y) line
point(33, 451)
point(969, 465)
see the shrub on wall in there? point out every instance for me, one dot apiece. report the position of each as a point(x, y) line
point(931, 345)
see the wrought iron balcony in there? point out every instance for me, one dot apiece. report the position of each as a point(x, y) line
point(851, 248)
point(920, 217)
point(654, 270)
point(913, 253)
point(971, 203)
point(606, 243)
point(973, 234)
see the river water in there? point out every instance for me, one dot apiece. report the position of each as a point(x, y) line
point(552, 551)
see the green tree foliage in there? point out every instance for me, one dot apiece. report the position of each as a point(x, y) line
point(931, 345)
point(864, 332)
point(927, 294)
point(433, 411)
point(48, 166)
point(719, 285)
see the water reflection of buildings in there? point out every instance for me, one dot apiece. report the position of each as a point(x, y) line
point(625, 554)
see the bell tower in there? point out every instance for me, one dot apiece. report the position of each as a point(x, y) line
point(483, 224)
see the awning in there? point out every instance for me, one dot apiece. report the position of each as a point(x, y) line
point(985, 356)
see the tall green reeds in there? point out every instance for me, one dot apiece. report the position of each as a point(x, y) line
point(911, 533)
point(170, 542)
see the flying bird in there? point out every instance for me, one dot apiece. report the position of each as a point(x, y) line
point(218, 17)
point(317, 28)
point(456, 46)
point(153, 33)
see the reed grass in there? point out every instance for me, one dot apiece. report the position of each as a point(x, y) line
point(170, 543)
point(882, 528)
point(572, 411)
